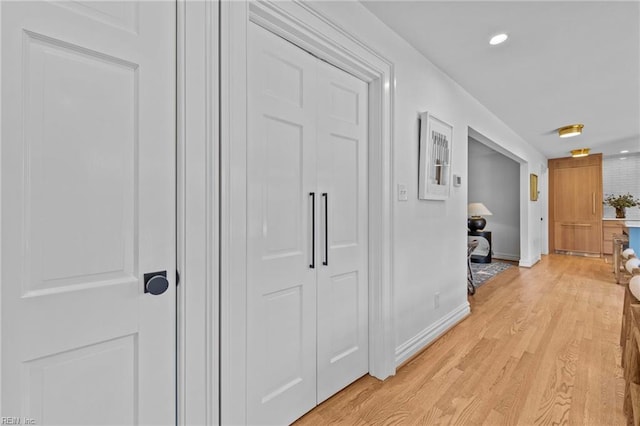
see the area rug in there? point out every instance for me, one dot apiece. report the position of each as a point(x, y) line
point(485, 271)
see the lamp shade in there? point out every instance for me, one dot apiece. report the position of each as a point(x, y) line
point(478, 209)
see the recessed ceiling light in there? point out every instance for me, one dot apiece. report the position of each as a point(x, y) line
point(570, 131)
point(498, 38)
point(623, 158)
point(624, 151)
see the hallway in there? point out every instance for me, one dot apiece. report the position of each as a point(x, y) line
point(540, 347)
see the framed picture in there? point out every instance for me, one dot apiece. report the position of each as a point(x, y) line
point(533, 187)
point(436, 138)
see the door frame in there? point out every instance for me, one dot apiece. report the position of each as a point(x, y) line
point(304, 26)
point(197, 212)
point(527, 234)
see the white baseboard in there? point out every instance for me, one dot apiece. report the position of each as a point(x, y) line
point(431, 333)
point(506, 256)
point(528, 263)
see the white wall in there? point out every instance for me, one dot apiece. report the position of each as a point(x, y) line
point(494, 180)
point(430, 237)
point(621, 177)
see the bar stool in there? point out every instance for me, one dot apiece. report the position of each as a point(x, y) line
point(620, 242)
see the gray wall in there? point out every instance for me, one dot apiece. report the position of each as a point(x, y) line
point(494, 180)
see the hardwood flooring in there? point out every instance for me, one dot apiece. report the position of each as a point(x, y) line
point(541, 346)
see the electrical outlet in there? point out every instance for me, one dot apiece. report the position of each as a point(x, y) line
point(436, 300)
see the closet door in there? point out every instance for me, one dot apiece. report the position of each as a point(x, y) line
point(307, 320)
point(342, 273)
point(281, 284)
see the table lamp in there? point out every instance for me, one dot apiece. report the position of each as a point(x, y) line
point(476, 222)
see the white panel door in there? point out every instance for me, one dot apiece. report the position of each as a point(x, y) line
point(88, 202)
point(281, 279)
point(342, 292)
point(307, 319)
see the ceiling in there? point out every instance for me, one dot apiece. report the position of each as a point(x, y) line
point(565, 62)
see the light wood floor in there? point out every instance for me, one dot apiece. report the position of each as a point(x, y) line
point(540, 347)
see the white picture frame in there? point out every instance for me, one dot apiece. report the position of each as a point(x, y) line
point(436, 143)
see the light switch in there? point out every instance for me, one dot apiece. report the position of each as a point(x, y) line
point(402, 192)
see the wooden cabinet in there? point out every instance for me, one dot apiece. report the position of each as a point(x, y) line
point(575, 205)
point(578, 237)
point(610, 228)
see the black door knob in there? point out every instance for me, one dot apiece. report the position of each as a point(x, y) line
point(156, 282)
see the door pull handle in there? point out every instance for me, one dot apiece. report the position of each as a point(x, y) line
point(313, 230)
point(326, 228)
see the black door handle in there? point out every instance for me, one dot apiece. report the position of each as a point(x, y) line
point(326, 228)
point(313, 230)
point(156, 282)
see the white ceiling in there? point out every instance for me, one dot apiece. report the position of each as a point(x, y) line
point(565, 62)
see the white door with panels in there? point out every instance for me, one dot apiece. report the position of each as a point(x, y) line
point(342, 293)
point(307, 301)
point(88, 212)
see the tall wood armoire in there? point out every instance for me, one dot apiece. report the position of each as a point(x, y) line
point(575, 205)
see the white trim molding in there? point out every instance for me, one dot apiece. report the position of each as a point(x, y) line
point(1, 222)
point(506, 256)
point(302, 25)
point(528, 263)
point(197, 212)
point(427, 336)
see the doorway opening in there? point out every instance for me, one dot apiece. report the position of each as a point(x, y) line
point(494, 181)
